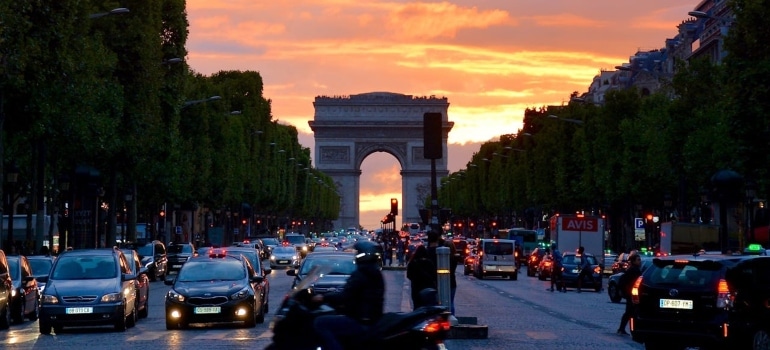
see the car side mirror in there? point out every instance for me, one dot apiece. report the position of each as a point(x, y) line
point(267, 270)
point(128, 277)
point(169, 282)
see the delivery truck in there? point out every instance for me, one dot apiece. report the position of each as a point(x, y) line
point(572, 231)
point(687, 238)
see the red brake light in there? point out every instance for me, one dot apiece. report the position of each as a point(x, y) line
point(723, 288)
point(437, 325)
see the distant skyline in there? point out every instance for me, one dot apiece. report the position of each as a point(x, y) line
point(491, 59)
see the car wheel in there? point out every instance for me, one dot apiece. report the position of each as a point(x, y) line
point(120, 323)
point(614, 293)
point(33, 315)
point(5, 320)
point(18, 315)
point(143, 313)
point(45, 327)
point(171, 325)
point(760, 340)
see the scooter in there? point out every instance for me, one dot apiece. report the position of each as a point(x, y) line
point(424, 328)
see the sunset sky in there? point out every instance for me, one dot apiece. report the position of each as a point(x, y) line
point(490, 58)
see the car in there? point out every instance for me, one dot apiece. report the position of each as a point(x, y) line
point(215, 288)
point(684, 301)
point(570, 271)
point(284, 256)
point(41, 266)
point(142, 282)
point(607, 267)
point(461, 246)
point(154, 257)
point(268, 243)
point(620, 263)
point(613, 290)
point(496, 258)
point(299, 241)
point(324, 247)
point(533, 262)
point(337, 267)
point(253, 256)
point(6, 288)
point(89, 287)
point(468, 262)
point(25, 296)
point(178, 254)
point(749, 284)
point(545, 267)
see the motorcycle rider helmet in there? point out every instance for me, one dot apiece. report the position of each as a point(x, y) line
point(366, 252)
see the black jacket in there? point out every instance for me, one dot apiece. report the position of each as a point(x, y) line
point(627, 280)
point(363, 296)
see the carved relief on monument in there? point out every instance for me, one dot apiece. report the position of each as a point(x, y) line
point(335, 155)
point(397, 149)
point(418, 156)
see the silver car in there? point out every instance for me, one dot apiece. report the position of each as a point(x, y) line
point(284, 256)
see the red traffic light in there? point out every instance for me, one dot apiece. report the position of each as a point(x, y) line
point(162, 213)
point(394, 206)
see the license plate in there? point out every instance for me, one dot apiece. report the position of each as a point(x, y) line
point(208, 310)
point(176, 266)
point(675, 304)
point(283, 261)
point(79, 310)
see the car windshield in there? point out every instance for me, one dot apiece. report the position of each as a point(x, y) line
point(180, 249)
point(40, 267)
point(13, 265)
point(84, 267)
point(284, 250)
point(222, 270)
point(575, 259)
point(295, 239)
point(146, 250)
point(334, 265)
point(269, 241)
point(498, 248)
point(688, 273)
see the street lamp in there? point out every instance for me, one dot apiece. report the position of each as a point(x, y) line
point(574, 121)
point(115, 11)
point(12, 177)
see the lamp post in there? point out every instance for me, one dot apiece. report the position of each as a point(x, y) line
point(12, 177)
point(115, 11)
point(204, 100)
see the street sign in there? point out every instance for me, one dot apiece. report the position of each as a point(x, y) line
point(639, 223)
point(178, 230)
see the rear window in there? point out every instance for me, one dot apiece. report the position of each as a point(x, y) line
point(683, 273)
point(498, 248)
point(180, 249)
point(295, 239)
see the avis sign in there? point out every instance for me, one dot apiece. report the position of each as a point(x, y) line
point(585, 224)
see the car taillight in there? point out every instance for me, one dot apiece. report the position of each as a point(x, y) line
point(724, 297)
point(597, 270)
point(439, 324)
point(635, 290)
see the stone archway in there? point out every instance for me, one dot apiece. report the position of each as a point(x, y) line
point(347, 129)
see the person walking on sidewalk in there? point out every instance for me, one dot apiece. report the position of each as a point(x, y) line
point(626, 283)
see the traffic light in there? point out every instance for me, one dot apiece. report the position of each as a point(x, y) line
point(394, 206)
point(243, 221)
point(162, 213)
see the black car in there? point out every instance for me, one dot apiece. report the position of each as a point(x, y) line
point(260, 269)
point(142, 282)
point(41, 267)
point(337, 268)
point(268, 243)
point(89, 287)
point(215, 288)
point(683, 301)
point(178, 254)
point(748, 312)
point(25, 296)
point(613, 290)
point(570, 270)
point(533, 262)
point(6, 286)
point(154, 257)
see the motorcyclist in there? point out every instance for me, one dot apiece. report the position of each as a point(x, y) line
point(362, 297)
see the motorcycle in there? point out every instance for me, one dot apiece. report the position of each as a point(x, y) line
point(424, 328)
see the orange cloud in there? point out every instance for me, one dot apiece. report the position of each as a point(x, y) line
point(430, 20)
point(567, 20)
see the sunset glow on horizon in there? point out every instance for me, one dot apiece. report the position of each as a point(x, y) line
point(491, 59)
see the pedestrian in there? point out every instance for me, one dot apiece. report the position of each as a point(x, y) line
point(401, 251)
point(585, 268)
point(626, 283)
point(422, 273)
point(556, 266)
point(386, 249)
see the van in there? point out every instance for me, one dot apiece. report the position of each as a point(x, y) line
point(496, 257)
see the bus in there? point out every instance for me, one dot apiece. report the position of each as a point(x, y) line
point(526, 238)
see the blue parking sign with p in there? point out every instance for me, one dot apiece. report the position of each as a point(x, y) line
point(638, 222)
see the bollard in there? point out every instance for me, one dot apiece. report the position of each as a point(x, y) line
point(444, 286)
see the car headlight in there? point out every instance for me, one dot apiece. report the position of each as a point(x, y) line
point(13, 292)
point(112, 297)
point(243, 293)
point(293, 257)
point(49, 299)
point(272, 257)
point(304, 248)
point(173, 295)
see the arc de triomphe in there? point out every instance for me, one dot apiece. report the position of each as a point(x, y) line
point(348, 129)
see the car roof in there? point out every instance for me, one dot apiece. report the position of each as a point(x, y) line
point(330, 253)
point(703, 257)
point(88, 252)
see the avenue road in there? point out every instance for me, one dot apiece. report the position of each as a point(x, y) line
point(519, 315)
